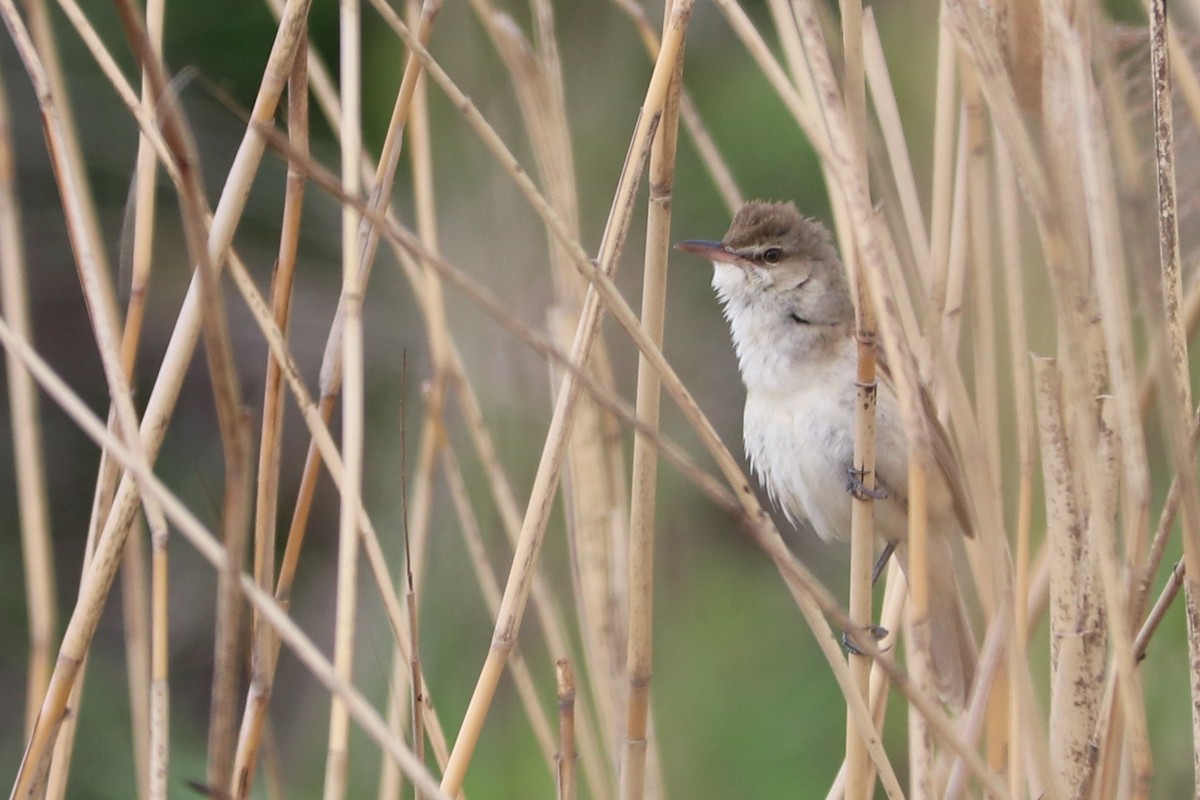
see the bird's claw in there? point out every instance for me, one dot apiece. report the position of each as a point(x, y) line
point(876, 632)
point(859, 490)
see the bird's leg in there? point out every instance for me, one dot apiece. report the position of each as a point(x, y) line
point(858, 489)
point(877, 632)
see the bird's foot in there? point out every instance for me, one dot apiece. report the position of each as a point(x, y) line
point(876, 632)
point(859, 490)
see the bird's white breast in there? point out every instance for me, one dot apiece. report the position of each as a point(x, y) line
point(799, 439)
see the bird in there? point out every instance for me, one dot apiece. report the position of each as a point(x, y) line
point(785, 294)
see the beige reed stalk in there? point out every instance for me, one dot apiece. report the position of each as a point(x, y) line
point(1014, 295)
point(812, 598)
point(353, 390)
point(860, 778)
point(565, 685)
point(226, 393)
point(593, 485)
point(42, 34)
point(211, 550)
point(713, 161)
point(644, 479)
point(162, 399)
point(545, 482)
point(1175, 395)
point(538, 82)
point(94, 279)
point(848, 172)
point(32, 505)
point(265, 647)
point(331, 368)
point(151, 742)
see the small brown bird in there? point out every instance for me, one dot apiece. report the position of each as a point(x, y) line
point(785, 294)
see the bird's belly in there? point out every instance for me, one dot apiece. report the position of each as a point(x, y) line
point(800, 447)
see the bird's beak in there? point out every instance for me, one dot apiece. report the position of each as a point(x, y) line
point(713, 251)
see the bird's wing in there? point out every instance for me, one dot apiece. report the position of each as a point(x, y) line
point(943, 451)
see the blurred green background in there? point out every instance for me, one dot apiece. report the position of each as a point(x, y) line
point(745, 706)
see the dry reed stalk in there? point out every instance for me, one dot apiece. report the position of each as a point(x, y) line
point(986, 469)
point(942, 182)
point(565, 686)
point(1138, 584)
point(890, 619)
point(1100, 195)
point(710, 156)
point(550, 162)
point(848, 174)
point(410, 593)
point(859, 775)
point(331, 368)
point(592, 486)
point(1101, 529)
point(162, 399)
point(152, 778)
point(1064, 527)
point(94, 278)
point(32, 502)
point(883, 100)
point(1175, 394)
point(1014, 295)
point(539, 343)
point(353, 391)
point(132, 568)
point(477, 551)
point(211, 550)
point(324, 447)
point(545, 483)
point(231, 420)
point(145, 601)
point(791, 97)
point(644, 473)
point(265, 649)
point(408, 677)
point(470, 409)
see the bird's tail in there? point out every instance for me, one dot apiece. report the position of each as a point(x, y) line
point(952, 641)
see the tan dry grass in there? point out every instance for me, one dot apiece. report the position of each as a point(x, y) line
point(1043, 127)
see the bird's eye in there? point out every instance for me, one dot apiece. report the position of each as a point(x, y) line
point(772, 255)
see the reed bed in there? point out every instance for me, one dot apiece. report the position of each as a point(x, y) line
point(1011, 186)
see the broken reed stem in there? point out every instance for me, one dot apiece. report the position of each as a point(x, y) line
point(565, 686)
point(30, 471)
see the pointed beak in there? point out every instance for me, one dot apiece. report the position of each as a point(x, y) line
point(713, 251)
